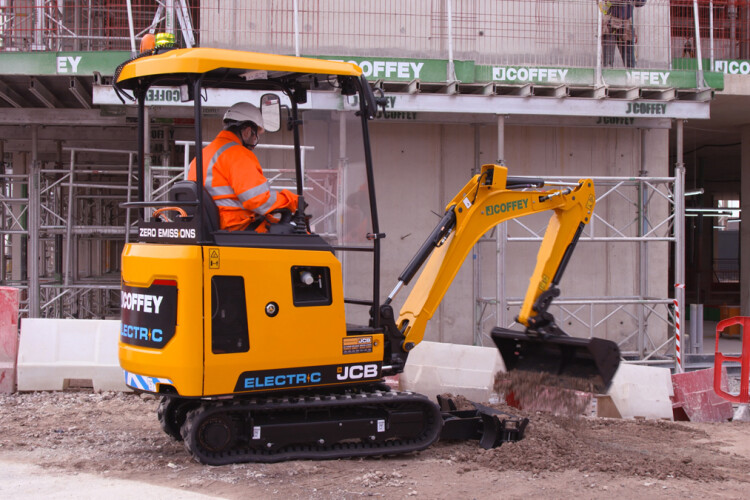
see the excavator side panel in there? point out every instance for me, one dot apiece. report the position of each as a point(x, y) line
point(270, 330)
point(220, 320)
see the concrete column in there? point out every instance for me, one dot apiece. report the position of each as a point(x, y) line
point(745, 223)
point(444, 132)
point(643, 257)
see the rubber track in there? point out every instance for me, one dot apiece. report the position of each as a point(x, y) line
point(171, 414)
point(244, 451)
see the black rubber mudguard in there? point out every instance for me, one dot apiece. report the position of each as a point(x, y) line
point(594, 359)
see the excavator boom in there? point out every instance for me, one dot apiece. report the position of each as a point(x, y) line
point(489, 199)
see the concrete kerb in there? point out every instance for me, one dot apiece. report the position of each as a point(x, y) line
point(436, 368)
point(23, 481)
point(742, 413)
point(53, 353)
point(642, 392)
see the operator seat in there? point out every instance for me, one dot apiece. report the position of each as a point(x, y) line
point(187, 191)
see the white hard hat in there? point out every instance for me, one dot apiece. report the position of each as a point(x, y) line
point(245, 112)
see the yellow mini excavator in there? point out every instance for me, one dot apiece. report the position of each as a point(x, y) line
point(249, 339)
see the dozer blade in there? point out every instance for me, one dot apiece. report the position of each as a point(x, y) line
point(595, 360)
point(490, 426)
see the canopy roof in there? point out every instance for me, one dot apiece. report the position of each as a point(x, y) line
point(229, 64)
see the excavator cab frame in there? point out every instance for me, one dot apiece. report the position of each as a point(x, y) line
point(195, 70)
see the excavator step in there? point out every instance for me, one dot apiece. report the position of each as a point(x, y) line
point(593, 359)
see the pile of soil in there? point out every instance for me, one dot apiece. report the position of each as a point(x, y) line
point(118, 435)
point(564, 439)
point(619, 447)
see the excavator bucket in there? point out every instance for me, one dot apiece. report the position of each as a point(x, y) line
point(570, 359)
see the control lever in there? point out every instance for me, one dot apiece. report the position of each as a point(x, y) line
point(300, 219)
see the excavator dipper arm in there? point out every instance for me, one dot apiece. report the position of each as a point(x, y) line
point(487, 200)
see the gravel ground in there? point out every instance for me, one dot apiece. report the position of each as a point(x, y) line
point(116, 436)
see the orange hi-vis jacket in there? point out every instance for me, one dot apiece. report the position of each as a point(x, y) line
point(232, 175)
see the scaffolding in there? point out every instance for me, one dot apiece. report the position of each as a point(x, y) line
point(69, 216)
point(670, 34)
point(80, 231)
point(92, 25)
point(638, 211)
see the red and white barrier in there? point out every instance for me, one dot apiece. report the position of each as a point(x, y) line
point(742, 398)
point(9, 298)
point(678, 332)
point(695, 399)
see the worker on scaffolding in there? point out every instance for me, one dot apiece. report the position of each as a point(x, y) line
point(618, 31)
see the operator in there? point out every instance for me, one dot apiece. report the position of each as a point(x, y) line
point(233, 176)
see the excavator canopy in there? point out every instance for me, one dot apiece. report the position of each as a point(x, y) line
point(229, 64)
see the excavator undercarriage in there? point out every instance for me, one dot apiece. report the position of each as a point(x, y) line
point(363, 422)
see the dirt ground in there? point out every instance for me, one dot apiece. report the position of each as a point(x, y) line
point(117, 436)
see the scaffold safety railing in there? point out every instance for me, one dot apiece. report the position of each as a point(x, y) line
point(703, 35)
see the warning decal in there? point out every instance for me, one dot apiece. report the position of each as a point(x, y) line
point(213, 258)
point(357, 345)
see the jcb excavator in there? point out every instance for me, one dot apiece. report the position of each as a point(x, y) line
point(249, 338)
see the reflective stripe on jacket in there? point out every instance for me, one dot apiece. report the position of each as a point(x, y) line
point(234, 178)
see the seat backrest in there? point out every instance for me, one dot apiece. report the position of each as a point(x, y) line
point(183, 191)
